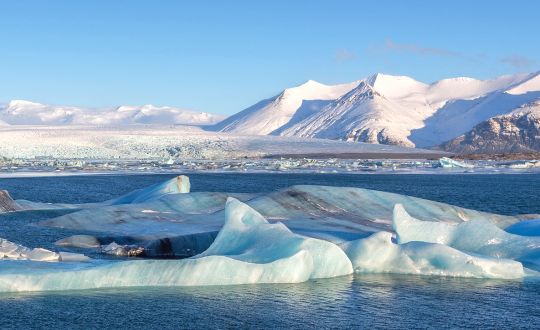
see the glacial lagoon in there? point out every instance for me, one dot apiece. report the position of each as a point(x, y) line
point(344, 301)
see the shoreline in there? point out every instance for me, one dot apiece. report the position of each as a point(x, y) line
point(424, 171)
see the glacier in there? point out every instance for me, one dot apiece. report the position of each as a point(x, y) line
point(287, 236)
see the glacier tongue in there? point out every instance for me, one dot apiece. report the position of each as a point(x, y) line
point(378, 254)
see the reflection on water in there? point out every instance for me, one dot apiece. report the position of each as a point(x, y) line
point(389, 301)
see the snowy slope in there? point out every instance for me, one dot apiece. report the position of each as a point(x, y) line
point(289, 107)
point(365, 114)
point(386, 109)
point(20, 112)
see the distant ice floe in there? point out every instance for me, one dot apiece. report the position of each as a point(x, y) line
point(446, 162)
point(288, 236)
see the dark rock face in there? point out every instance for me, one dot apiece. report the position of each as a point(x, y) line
point(7, 204)
point(515, 132)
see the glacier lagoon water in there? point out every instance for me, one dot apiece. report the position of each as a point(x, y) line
point(351, 301)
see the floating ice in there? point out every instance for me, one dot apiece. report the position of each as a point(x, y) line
point(288, 236)
point(183, 225)
point(79, 241)
point(475, 236)
point(13, 251)
point(122, 250)
point(452, 163)
point(178, 185)
point(378, 254)
point(248, 249)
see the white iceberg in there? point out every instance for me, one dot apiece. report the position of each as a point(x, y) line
point(13, 251)
point(475, 236)
point(378, 254)
point(177, 185)
point(446, 162)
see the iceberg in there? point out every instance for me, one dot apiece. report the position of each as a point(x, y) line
point(288, 236)
point(178, 185)
point(248, 249)
point(13, 251)
point(378, 254)
point(475, 236)
point(446, 162)
point(185, 224)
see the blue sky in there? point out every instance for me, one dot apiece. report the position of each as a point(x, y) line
point(222, 56)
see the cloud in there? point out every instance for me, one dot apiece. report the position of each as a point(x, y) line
point(416, 49)
point(518, 61)
point(345, 55)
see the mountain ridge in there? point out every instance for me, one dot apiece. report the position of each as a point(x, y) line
point(400, 110)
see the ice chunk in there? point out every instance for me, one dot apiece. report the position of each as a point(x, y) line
point(79, 241)
point(452, 163)
point(378, 254)
point(73, 257)
point(123, 250)
point(178, 185)
point(13, 251)
point(475, 236)
point(248, 249)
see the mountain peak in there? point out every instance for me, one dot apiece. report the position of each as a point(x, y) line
point(395, 86)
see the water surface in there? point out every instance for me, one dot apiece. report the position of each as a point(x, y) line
point(360, 301)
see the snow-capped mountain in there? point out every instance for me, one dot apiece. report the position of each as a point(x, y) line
point(518, 131)
point(20, 112)
point(283, 110)
point(386, 109)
